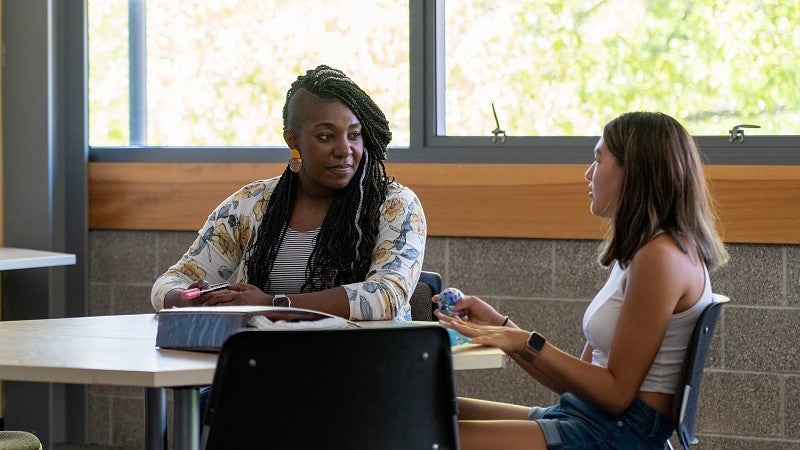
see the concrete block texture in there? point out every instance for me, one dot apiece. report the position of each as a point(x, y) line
point(750, 392)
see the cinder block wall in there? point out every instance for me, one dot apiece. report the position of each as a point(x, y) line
point(751, 390)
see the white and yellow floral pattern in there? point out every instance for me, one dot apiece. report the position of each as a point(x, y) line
point(216, 255)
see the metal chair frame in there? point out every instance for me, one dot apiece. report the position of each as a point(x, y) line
point(688, 391)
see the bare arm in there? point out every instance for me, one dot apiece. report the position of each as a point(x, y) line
point(545, 380)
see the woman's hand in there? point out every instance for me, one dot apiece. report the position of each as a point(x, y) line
point(512, 341)
point(173, 299)
point(236, 295)
point(478, 311)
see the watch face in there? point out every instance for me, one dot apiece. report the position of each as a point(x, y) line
point(536, 342)
point(281, 300)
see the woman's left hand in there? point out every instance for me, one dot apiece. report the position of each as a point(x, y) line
point(236, 295)
point(510, 340)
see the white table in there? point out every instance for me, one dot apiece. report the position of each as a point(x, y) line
point(12, 258)
point(120, 350)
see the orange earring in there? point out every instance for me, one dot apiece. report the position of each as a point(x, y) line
point(295, 163)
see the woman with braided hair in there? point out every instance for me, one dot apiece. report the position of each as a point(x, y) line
point(333, 233)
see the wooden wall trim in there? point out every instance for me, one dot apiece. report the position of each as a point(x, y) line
point(756, 204)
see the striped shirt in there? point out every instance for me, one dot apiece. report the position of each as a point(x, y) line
point(289, 271)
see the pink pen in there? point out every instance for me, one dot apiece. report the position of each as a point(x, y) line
point(189, 294)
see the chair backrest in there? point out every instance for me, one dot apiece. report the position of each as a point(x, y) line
point(386, 387)
point(688, 391)
point(430, 284)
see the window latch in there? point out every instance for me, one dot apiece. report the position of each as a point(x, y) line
point(498, 134)
point(737, 132)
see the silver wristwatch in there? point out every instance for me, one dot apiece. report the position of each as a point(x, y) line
point(281, 300)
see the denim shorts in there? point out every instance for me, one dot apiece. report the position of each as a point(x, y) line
point(575, 423)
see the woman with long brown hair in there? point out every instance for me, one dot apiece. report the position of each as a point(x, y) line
point(647, 179)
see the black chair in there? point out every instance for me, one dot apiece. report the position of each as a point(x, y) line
point(430, 284)
point(387, 387)
point(688, 390)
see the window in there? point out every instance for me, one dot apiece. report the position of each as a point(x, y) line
point(564, 68)
point(216, 72)
point(210, 77)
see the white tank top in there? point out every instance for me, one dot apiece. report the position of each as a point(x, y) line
point(600, 320)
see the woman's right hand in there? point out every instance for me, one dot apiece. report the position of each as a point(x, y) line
point(478, 311)
point(173, 298)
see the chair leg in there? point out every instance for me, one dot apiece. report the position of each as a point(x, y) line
point(668, 445)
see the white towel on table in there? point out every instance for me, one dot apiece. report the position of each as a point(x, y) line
point(330, 323)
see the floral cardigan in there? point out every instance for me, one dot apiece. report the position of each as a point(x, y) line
point(217, 254)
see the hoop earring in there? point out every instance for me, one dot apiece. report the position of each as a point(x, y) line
point(295, 163)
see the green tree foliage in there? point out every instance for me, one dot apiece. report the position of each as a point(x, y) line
point(217, 71)
point(566, 67)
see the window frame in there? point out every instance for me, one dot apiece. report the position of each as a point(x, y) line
point(429, 145)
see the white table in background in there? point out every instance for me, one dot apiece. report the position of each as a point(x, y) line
point(12, 258)
point(120, 350)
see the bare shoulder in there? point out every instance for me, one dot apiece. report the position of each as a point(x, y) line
point(662, 266)
point(661, 251)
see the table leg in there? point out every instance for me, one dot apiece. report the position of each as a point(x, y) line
point(187, 418)
point(155, 425)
